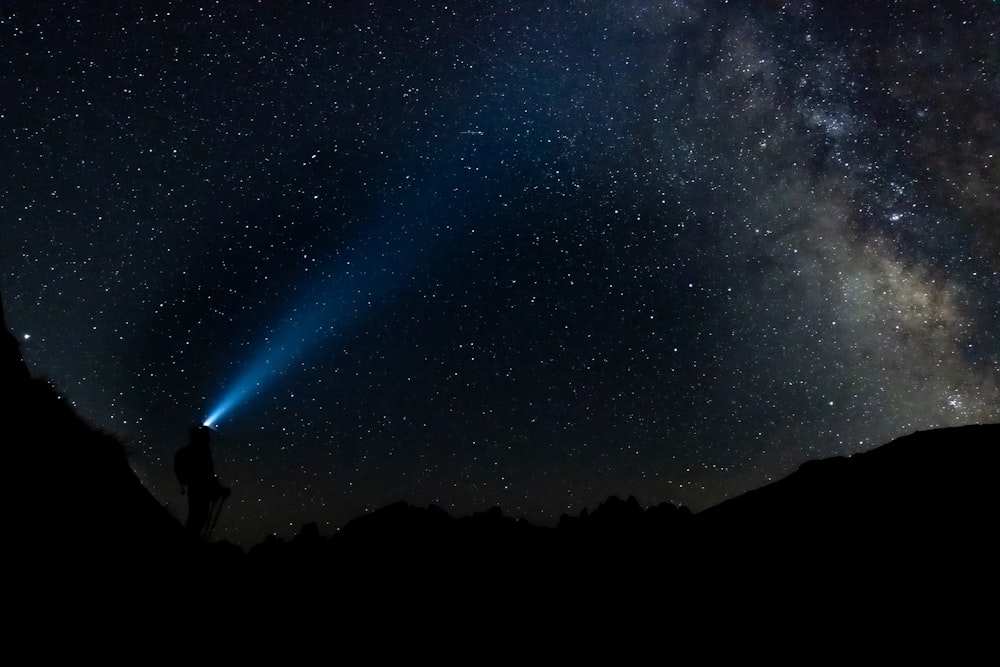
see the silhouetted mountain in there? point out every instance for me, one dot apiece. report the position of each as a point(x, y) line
point(79, 507)
point(928, 481)
point(922, 503)
point(925, 500)
point(12, 367)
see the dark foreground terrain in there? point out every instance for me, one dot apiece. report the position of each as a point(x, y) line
point(910, 522)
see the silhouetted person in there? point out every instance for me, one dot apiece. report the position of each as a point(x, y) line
point(195, 470)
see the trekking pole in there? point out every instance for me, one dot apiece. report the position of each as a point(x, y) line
point(218, 510)
point(206, 529)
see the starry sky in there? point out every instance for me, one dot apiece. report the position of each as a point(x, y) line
point(508, 253)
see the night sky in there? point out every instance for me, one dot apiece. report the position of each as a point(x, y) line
point(527, 254)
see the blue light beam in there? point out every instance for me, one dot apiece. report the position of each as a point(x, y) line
point(441, 197)
point(407, 235)
point(332, 307)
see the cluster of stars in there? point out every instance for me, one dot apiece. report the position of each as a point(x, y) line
point(492, 253)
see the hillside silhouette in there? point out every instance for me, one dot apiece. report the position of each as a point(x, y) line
point(79, 504)
point(922, 505)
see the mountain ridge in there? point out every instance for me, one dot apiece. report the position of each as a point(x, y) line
point(91, 510)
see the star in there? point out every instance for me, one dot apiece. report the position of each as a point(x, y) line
point(480, 256)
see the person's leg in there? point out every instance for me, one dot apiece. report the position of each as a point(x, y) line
point(197, 511)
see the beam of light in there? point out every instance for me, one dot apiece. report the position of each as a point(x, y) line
point(406, 236)
point(329, 308)
point(440, 196)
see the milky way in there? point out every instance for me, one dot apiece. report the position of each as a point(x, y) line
point(502, 253)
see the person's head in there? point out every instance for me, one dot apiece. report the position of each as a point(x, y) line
point(201, 435)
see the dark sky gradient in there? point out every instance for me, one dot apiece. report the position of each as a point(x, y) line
point(479, 253)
